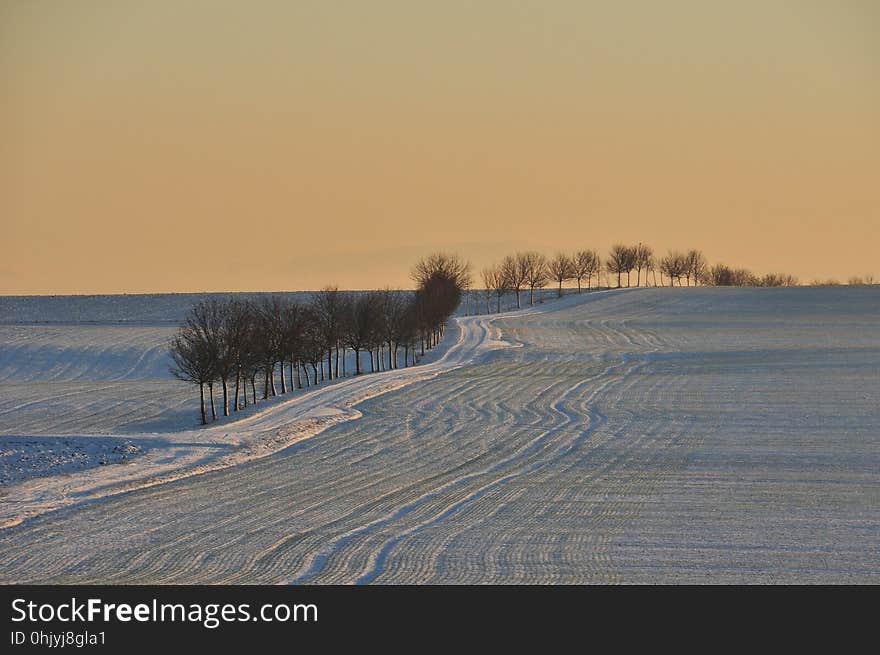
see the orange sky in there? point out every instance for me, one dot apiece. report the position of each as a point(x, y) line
point(180, 145)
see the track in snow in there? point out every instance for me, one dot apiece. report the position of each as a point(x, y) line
point(686, 435)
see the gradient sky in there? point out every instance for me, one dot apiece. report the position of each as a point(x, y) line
point(176, 145)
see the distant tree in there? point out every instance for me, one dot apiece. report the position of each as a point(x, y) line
point(536, 274)
point(643, 257)
point(361, 325)
point(391, 305)
point(271, 347)
point(778, 280)
point(239, 326)
point(193, 362)
point(206, 322)
point(448, 265)
point(620, 260)
point(327, 304)
point(561, 268)
point(742, 277)
point(585, 264)
point(496, 283)
point(514, 270)
point(695, 266)
point(673, 266)
point(293, 325)
point(487, 275)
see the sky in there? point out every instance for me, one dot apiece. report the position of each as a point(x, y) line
point(182, 145)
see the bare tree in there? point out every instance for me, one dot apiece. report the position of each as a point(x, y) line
point(390, 313)
point(695, 264)
point(643, 257)
point(585, 264)
point(271, 347)
point(619, 261)
point(561, 268)
point(534, 264)
point(673, 265)
point(487, 275)
point(361, 325)
point(514, 270)
point(193, 362)
point(327, 304)
point(293, 325)
point(779, 280)
point(449, 265)
point(496, 283)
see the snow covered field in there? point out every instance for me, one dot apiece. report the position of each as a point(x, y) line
point(651, 435)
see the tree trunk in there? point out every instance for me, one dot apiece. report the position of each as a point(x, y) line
point(283, 385)
point(517, 297)
point(202, 397)
point(390, 363)
point(237, 378)
point(211, 394)
point(357, 361)
point(225, 396)
point(254, 387)
point(330, 363)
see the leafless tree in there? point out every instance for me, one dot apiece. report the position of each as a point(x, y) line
point(561, 268)
point(620, 261)
point(743, 277)
point(778, 280)
point(361, 325)
point(536, 274)
point(327, 304)
point(391, 309)
point(725, 276)
point(673, 267)
point(643, 258)
point(496, 283)
point(693, 266)
point(193, 362)
point(487, 275)
point(293, 325)
point(449, 265)
point(514, 270)
point(585, 264)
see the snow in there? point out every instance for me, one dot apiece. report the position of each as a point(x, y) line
point(650, 435)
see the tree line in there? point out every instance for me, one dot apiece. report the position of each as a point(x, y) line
point(239, 345)
point(623, 266)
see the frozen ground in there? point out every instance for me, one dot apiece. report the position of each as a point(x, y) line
point(668, 435)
